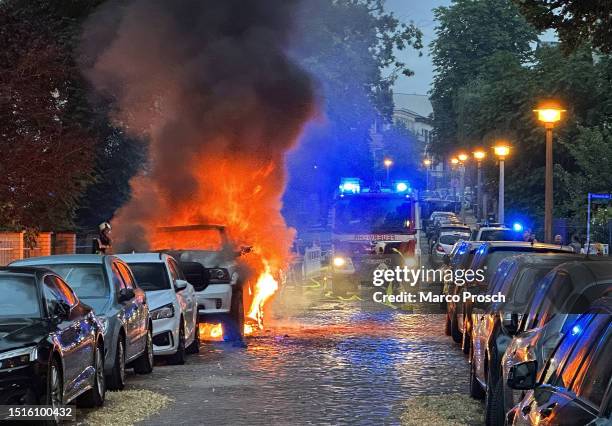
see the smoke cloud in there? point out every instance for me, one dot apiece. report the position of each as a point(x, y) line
point(209, 86)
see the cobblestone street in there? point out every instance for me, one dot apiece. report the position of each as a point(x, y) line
point(331, 362)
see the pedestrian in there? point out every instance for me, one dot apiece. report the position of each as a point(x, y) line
point(559, 239)
point(104, 243)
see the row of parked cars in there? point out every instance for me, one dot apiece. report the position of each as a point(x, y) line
point(71, 325)
point(543, 356)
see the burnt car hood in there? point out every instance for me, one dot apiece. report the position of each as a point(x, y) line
point(18, 333)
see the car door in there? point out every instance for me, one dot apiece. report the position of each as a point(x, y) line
point(129, 313)
point(186, 298)
point(72, 335)
point(140, 304)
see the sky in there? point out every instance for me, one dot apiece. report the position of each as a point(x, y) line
point(420, 12)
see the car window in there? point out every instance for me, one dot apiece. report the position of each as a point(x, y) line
point(126, 275)
point(151, 276)
point(576, 335)
point(554, 299)
point(449, 239)
point(117, 278)
point(535, 304)
point(499, 235)
point(500, 275)
point(55, 291)
point(595, 375)
point(87, 280)
point(20, 297)
point(520, 290)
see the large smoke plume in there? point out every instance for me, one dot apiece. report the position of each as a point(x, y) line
point(209, 86)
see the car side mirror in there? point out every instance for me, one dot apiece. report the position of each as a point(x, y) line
point(446, 259)
point(61, 310)
point(522, 376)
point(180, 285)
point(126, 294)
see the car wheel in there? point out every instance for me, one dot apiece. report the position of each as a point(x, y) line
point(235, 324)
point(194, 348)
point(55, 390)
point(95, 396)
point(466, 342)
point(116, 379)
point(447, 325)
point(144, 363)
point(476, 390)
point(178, 358)
point(494, 408)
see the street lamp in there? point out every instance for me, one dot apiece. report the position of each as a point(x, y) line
point(501, 151)
point(388, 163)
point(427, 164)
point(549, 114)
point(479, 155)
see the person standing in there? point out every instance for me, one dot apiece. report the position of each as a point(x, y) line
point(104, 243)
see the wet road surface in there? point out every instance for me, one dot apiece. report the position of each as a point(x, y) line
point(330, 362)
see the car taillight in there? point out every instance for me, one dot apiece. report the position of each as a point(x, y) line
point(440, 249)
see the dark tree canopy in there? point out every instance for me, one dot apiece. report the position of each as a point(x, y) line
point(575, 21)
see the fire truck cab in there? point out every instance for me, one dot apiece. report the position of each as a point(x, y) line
point(372, 228)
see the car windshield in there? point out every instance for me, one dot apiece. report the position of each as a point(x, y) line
point(19, 297)
point(500, 235)
point(86, 279)
point(449, 239)
point(150, 276)
point(373, 214)
point(494, 258)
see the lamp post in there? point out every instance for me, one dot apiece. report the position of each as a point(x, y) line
point(462, 157)
point(479, 155)
point(501, 151)
point(388, 163)
point(454, 162)
point(427, 164)
point(548, 114)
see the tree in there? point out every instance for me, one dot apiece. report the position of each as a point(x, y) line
point(468, 34)
point(346, 45)
point(575, 21)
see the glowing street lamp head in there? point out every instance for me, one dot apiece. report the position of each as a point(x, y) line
point(479, 155)
point(454, 160)
point(388, 162)
point(549, 114)
point(501, 150)
point(462, 157)
point(427, 162)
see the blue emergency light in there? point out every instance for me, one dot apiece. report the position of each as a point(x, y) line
point(518, 227)
point(350, 186)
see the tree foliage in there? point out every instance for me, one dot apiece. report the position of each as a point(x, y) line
point(576, 21)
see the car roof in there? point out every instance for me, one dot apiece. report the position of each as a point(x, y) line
point(62, 258)
point(542, 258)
point(23, 270)
point(494, 228)
point(143, 257)
point(527, 244)
point(599, 267)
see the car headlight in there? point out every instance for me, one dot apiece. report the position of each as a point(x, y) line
point(18, 358)
point(218, 275)
point(339, 261)
point(166, 311)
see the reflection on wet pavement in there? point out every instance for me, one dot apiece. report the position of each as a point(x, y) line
point(332, 364)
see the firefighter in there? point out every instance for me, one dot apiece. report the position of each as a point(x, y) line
point(103, 244)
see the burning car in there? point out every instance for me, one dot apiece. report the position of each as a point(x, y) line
point(209, 262)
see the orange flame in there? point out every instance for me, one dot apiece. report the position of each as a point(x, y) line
point(210, 331)
point(265, 288)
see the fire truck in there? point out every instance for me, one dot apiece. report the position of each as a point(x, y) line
point(372, 228)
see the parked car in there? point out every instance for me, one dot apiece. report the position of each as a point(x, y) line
point(443, 244)
point(51, 344)
point(172, 304)
point(107, 285)
point(211, 266)
point(494, 324)
point(564, 294)
point(574, 387)
point(496, 233)
point(461, 259)
point(486, 258)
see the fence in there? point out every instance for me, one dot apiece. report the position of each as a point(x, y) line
point(13, 245)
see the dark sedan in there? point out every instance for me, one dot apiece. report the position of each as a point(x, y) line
point(575, 386)
point(51, 344)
